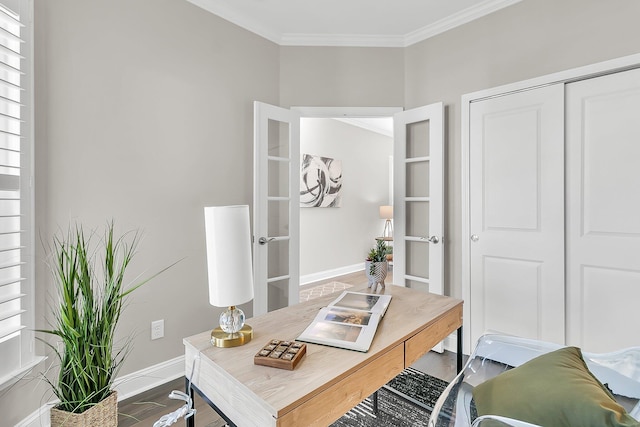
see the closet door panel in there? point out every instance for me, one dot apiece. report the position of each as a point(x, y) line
point(609, 309)
point(603, 211)
point(519, 300)
point(511, 170)
point(517, 214)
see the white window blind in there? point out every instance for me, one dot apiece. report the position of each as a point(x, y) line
point(12, 194)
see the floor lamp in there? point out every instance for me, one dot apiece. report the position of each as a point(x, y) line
point(386, 212)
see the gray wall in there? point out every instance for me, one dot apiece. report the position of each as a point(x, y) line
point(341, 77)
point(529, 39)
point(144, 115)
point(148, 121)
point(331, 238)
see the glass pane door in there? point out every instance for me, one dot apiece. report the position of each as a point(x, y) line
point(276, 200)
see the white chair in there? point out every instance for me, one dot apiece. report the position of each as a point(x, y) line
point(494, 354)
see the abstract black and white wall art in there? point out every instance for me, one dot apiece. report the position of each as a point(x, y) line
point(320, 182)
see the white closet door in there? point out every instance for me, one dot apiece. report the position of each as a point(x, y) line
point(603, 211)
point(517, 214)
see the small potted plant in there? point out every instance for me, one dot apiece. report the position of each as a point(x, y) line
point(89, 279)
point(376, 265)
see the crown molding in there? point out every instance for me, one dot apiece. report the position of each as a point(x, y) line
point(342, 40)
point(463, 17)
point(222, 10)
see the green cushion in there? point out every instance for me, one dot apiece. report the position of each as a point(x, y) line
point(555, 389)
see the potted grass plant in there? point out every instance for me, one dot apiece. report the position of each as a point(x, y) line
point(376, 265)
point(89, 275)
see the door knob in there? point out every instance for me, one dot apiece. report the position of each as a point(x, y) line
point(475, 238)
point(433, 239)
point(264, 240)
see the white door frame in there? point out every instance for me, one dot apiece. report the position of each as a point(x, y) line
point(335, 112)
point(580, 73)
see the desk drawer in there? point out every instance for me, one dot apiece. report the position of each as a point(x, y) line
point(425, 340)
point(331, 404)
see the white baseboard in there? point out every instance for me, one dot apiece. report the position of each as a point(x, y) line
point(327, 274)
point(148, 378)
point(127, 386)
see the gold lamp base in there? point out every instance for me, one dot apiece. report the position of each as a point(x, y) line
point(220, 338)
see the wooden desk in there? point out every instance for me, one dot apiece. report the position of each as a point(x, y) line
point(328, 381)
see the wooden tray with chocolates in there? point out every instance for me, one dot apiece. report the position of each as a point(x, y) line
point(280, 354)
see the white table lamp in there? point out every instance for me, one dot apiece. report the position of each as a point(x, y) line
point(386, 212)
point(228, 237)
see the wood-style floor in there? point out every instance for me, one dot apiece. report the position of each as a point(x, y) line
point(146, 408)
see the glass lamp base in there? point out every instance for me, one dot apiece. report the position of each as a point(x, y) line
point(232, 331)
point(232, 319)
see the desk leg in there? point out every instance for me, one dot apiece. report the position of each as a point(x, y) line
point(412, 400)
point(459, 349)
point(191, 421)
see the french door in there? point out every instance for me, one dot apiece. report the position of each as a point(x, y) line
point(418, 199)
point(418, 202)
point(276, 207)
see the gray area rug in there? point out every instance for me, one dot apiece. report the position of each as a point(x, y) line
point(394, 410)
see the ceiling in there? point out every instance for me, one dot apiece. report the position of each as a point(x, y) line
point(381, 125)
point(385, 23)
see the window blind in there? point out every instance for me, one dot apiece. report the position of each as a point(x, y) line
point(11, 231)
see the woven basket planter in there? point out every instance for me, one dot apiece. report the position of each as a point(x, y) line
point(103, 414)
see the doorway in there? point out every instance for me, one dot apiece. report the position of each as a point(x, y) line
point(335, 239)
point(339, 121)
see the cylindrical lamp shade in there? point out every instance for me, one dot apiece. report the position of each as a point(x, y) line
point(229, 263)
point(386, 212)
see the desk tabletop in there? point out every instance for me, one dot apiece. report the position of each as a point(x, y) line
point(278, 390)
